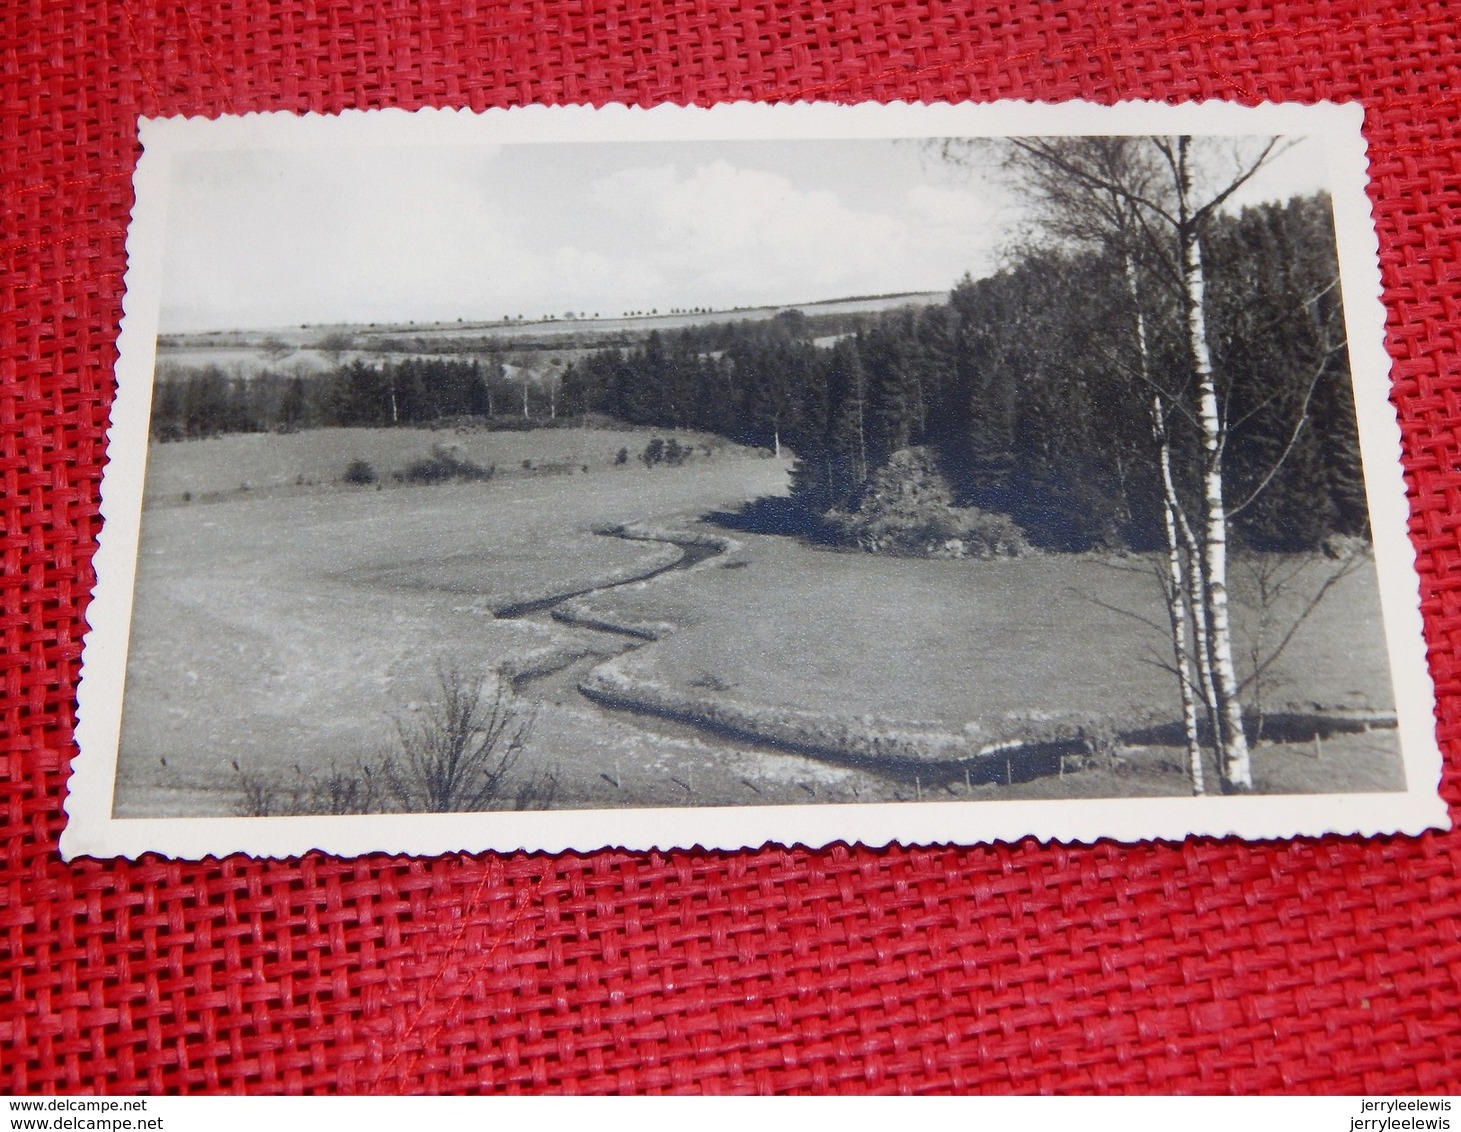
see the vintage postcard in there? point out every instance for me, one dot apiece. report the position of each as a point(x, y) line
point(555, 479)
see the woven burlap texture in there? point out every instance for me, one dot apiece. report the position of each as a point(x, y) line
point(1320, 965)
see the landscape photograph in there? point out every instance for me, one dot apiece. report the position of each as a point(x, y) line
point(721, 473)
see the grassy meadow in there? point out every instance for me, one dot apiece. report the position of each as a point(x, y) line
point(307, 462)
point(964, 655)
point(282, 629)
point(285, 618)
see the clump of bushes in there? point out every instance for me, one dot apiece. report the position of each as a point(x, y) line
point(446, 462)
point(360, 472)
point(331, 790)
point(459, 753)
point(908, 509)
point(514, 423)
point(670, 452)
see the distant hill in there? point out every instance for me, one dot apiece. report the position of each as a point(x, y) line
point(313, 349)
point(419, 337)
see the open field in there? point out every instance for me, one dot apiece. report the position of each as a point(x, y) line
point(970, 643)
point(273, 462)
point(943, 659)
point(283, 630)
point(300, 348)
point(288, 625)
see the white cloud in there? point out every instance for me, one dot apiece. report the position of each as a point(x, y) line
point(728, 233)
point(280, 238)
point(295, 241)
point(949, 208)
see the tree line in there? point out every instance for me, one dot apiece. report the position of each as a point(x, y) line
point(1025, 385)
point(207, 401)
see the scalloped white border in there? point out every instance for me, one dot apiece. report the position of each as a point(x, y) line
point(92, 831)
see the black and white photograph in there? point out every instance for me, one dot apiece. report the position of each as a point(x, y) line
point(682, 478)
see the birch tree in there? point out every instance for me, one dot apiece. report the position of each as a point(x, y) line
point(1141, 196)
point(1080, 182)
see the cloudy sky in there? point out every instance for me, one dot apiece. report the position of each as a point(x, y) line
point(268, 238)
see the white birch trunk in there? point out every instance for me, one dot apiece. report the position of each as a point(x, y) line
point(1182, 654)
point(1196, 603)
point(1236, 767)
point(1176, 581)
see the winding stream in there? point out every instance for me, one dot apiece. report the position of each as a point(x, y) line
point(560, 685)
point(1008, 763)
point(692, 552)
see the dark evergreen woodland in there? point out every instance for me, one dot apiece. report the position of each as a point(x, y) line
point(1026, 387)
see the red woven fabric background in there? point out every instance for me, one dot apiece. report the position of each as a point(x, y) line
point(1321, 965)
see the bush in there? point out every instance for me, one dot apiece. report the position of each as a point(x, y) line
point(359, 472)
point(907, 508)
point(526, 424)
point(459, 752)
point(445, 463)
point(328, 791)
point(658, 451)
point(257, 796)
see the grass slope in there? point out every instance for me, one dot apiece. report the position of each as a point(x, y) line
point(905, 662)
point(282, 462)
point(282, 631)
point(284, 625)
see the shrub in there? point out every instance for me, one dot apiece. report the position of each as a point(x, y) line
point(526, 424)
point(359, 472)
point(622, 458)
point(329, 791)
point(458, 754)
point(658, 451)
point(336, 343)
point(446, 463)
point(257, 796)
point(907, 508)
